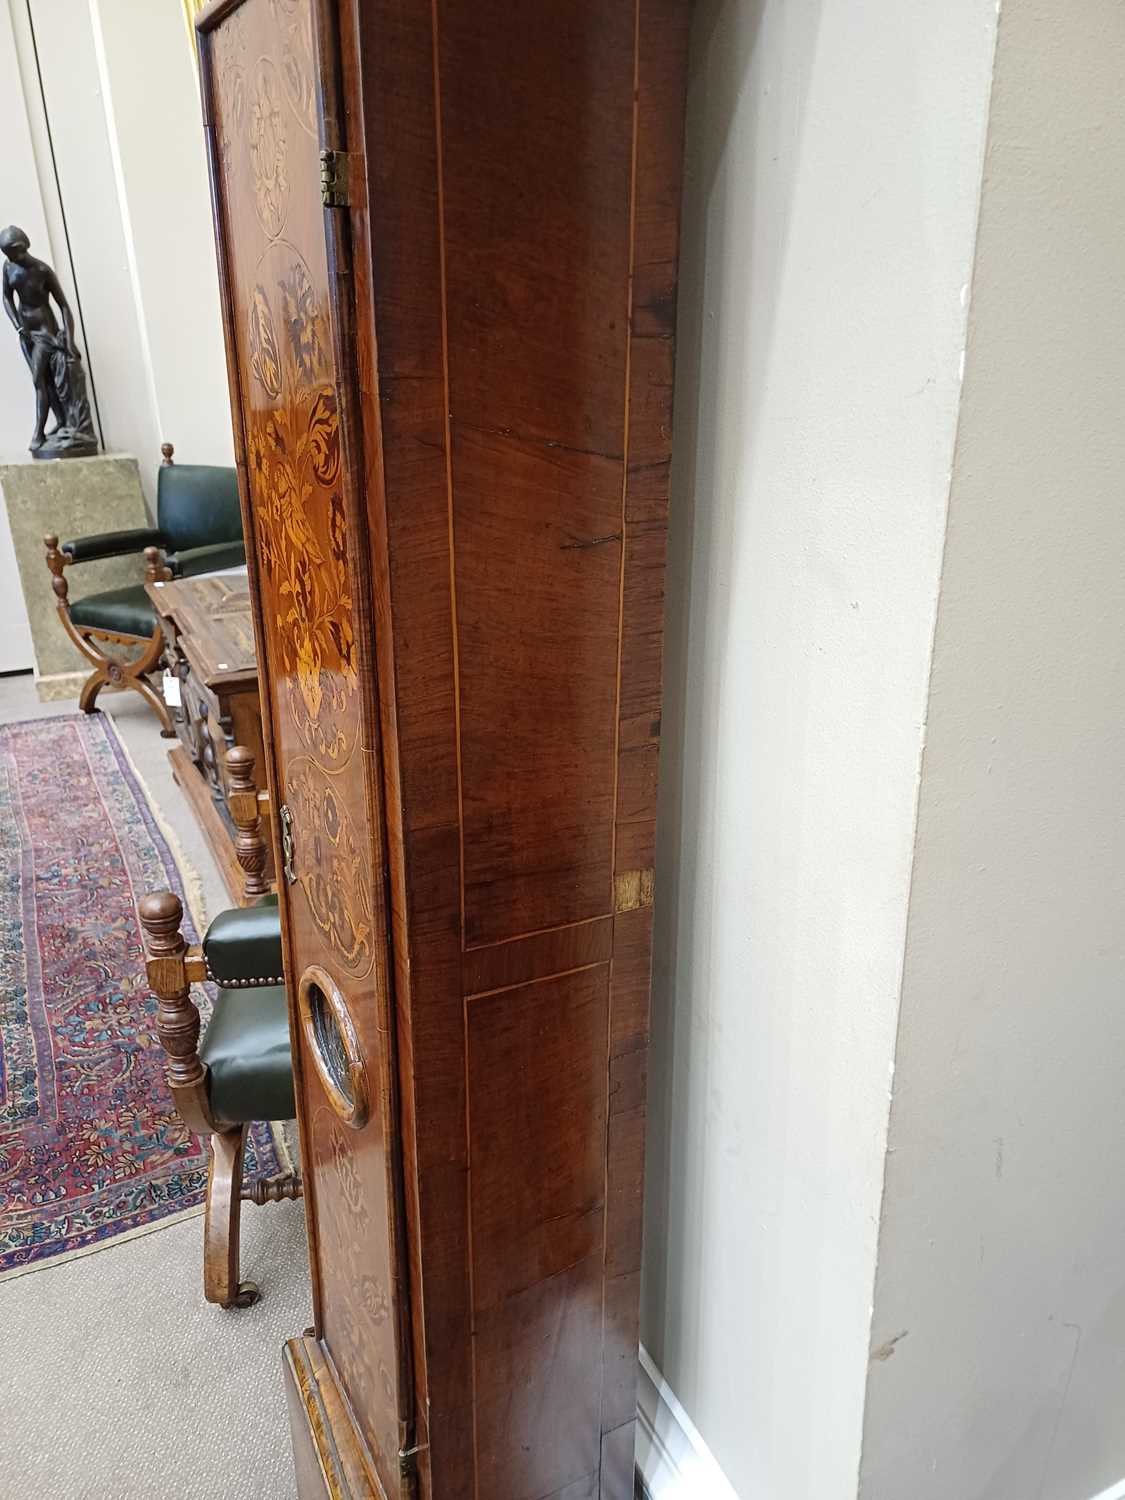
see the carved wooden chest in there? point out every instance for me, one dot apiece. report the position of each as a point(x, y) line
point(210, 652)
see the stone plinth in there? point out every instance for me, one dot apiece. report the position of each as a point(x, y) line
point(73, 497)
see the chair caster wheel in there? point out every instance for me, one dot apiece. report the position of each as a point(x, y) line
point(248, 1294)
point(168, 734)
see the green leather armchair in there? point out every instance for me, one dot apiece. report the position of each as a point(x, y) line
point(198, 530)
point(241, 1070)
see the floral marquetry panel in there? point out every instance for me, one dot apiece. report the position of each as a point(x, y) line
point(263, 90)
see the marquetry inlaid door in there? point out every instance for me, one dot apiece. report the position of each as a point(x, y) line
point(270, 93)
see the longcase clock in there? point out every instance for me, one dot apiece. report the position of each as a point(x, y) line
point(447, 236)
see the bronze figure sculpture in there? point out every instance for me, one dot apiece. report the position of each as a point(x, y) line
point(51, 352)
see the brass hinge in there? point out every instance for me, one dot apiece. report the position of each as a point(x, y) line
point(285, 818)
point(335, 179)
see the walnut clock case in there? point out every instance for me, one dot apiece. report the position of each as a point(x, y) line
point(447, 240)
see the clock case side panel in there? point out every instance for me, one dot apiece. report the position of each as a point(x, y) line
point(390, 99)
point(337, 239)
point(390, 111)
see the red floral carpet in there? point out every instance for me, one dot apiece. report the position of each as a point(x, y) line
point(91, 1146)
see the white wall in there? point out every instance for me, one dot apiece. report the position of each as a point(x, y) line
point(152, 106)
point(833, 175)
point(103, 164)
point(22, 203)
point(26, 199)
point(125, 164)
point(82, 163)
point(123, 104)
point(1002, 1257)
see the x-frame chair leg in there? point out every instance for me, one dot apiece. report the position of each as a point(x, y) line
point(221, 1225)
point(108, 670)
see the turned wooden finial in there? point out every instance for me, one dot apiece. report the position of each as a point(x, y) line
point(56, 562)
point(249, 845)
point(240, 763)
point(167, 450)
point(177, 1020)
point(156, 569)
point(161, 914)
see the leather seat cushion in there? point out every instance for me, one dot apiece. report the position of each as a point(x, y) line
point(126, 611)
point(246, 1049)
point(208, 559)
point(245, 943)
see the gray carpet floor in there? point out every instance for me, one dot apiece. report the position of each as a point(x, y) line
point(118, 1380)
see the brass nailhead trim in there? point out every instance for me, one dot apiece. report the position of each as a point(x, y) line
point(243, 984)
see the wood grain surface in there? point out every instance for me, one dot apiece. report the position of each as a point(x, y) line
point(489, 675)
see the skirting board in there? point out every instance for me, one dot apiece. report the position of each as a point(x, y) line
point(1115, 1492)
point(673, 1461)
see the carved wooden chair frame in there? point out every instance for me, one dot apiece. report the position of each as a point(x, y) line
point(111, 670)
point(172, 967)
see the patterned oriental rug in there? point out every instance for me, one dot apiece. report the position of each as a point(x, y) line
point(91, 1146)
